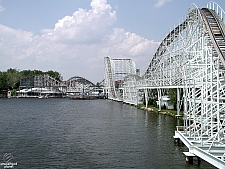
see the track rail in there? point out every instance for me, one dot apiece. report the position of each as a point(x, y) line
point(109, 74)
point(191, 59)
point(216, 31)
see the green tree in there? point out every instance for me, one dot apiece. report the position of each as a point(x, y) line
point(3, 81)
point(26, 73)
point(37, 72)
point(54, 74)
point(13, 76)
point(173, 97)
point(10, 79)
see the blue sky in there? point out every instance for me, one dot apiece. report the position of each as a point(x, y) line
point(73, 36)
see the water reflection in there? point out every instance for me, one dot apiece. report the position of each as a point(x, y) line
point(62, 133)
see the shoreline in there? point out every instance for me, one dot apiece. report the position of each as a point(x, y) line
point(164, 112)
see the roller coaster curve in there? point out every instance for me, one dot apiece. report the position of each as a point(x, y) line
point(190, 58)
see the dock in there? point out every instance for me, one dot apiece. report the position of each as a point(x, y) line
point(213, 153)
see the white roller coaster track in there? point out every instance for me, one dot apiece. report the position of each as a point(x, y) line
point(115, 72)
point(191, 58)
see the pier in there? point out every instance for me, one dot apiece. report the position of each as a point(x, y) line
point(212, 153)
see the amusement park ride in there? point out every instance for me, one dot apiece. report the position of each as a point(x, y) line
point(190, 59)
point(44, 86)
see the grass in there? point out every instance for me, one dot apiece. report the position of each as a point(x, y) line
point(163, 111)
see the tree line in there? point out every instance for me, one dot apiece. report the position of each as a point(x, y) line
point(10, 79)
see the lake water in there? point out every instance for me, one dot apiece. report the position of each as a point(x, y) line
point(69, 134)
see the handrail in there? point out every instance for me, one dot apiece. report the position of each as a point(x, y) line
point(218, 9)
point(212, 36)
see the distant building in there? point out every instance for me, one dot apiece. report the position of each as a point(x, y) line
point(38, 81)
point(40, 86)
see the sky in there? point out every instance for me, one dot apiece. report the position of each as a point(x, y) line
point(72, 37)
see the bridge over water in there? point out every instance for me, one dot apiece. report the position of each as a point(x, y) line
point(190, 59)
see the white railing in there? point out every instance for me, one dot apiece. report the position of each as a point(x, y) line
point(214, 6)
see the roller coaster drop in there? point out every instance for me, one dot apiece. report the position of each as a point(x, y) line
point(190, 58)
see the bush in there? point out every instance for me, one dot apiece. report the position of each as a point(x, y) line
point(164, 106)
point(151, 102)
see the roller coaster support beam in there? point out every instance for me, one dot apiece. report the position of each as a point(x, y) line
point(159, 98)
point(146, 97)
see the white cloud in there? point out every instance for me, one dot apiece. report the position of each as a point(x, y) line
point(76, 46)
point(2, 8)
point(121, 44)
point(14, 43)
point(161, 3)
point(84, 26)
